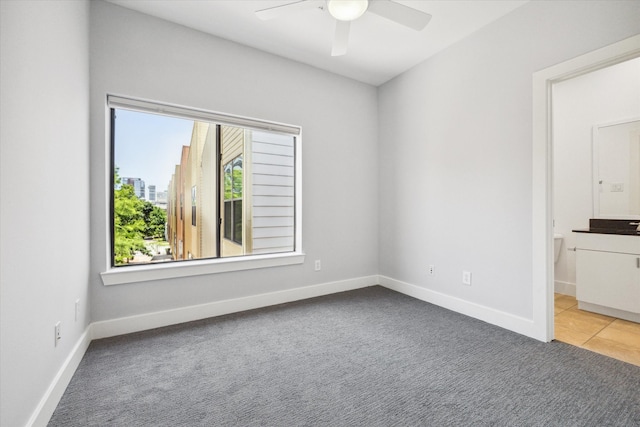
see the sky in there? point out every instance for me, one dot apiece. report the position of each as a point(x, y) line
point(149, 146)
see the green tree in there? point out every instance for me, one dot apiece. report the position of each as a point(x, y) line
point(133, 220)
point(128, 224)
point(154, 220)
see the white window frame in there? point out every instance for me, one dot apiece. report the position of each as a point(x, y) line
point(148, 272)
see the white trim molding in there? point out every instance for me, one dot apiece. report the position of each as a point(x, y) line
point(564, 288)
point(47, 405)
point(169, 270)
point(108, 328)
point(495, 317)
point(542, 170)
point(142, 322)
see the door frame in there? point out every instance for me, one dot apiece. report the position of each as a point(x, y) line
point(542, 170)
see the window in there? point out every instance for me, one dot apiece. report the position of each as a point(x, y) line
point(233, 188)
point(239, 174)
point(193, 206)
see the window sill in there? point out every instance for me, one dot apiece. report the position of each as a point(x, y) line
point(143, 273)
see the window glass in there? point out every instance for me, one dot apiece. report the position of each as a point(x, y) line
point(234, 188)
point(227, 181)
point(237, 221)
point(193, 206)
point(237, 178)
point(238, 181)
point(227, 224)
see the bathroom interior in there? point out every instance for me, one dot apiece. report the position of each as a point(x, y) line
point(596, 199)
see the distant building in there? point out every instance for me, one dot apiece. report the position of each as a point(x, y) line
point(152, 193)
point(137, 184)
point(161, 199)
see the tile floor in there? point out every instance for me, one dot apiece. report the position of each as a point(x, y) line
point(606, 335)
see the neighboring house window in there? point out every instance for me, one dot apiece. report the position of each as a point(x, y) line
point(193, 206)
point(233, 185)
point(240, 175)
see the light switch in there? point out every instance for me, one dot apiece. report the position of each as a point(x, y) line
point(617, 188)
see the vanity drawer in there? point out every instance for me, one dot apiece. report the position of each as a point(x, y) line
point(608, 243)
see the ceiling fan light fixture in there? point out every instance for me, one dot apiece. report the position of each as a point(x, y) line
point(347, 10)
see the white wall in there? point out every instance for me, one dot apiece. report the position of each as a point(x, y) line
point(455, 152)
point(453, 188)
point(603, 96)
point(44, 75)
point(141, 56)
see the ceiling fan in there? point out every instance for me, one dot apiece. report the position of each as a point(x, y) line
point(345, 11)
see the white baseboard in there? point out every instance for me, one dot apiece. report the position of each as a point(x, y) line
point(120, 326)
point(499, 318)
point(52, 396)
point(142, 322)
point(564, 288)
point(108, 328)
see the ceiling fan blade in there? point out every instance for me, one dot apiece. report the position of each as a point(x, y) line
point(341, 38)
point(400, 13)
point(285, 9)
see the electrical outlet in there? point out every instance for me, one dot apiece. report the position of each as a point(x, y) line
point(77, 309)
point(432, 270)
point(466, 278)
point(318, 265)
point(57, 335)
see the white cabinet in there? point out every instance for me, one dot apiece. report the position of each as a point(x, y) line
point(608, 274)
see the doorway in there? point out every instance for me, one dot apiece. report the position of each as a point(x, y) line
point(593, 177)
point(542, 167)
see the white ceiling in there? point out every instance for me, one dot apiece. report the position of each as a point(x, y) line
point(378, 48)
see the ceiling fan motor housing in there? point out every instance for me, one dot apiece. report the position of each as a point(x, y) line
point(347, 10)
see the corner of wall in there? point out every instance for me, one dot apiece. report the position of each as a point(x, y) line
point(495, 317)
point(47, 405)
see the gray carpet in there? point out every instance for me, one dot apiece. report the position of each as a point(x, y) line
point(370, 357)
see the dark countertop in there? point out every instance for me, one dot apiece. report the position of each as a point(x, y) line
point(626, 227)
point(608, 231)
